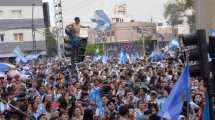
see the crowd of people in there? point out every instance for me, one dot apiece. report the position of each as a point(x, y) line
point(51, 90)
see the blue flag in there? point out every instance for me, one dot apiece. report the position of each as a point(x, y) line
point(206, 113)
point(19, 55)
point(105, 59)
point(100, 105)
point(97, 57)
point(40, 110)
point(102, 20)
point(97, 51)
point(123, 58)
point(94, 96)
point(212, 31)
point(174, 44)
point(172, 107)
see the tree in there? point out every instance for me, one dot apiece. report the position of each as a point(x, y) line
point(91, 48)
point(139, 45)
point(188, 5)
point(51, 43)
point(173, 15)
point(176, 12)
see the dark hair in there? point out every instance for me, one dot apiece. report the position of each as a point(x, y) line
point(111, 101)
point(154, 117)
point(77, 18)
point(41, 116)
point(123, 110)
point(129, 90)
point(140, 101)
point(153, 105)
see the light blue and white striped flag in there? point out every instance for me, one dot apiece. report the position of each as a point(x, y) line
point(102, 20)
point(20, 55)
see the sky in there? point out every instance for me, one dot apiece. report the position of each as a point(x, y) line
point(139, 10)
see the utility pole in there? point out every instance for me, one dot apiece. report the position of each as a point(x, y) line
point(211, 82)
point(201, 67)
point(59, 25)
point(33, 31)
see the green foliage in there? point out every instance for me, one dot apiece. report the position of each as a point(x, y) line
point(173, 13)
point(176, 11)
point(51, 43)
point(91, 49)
point(139, 45)
point(189, 4)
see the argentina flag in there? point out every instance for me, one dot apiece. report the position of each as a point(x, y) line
point(102, 20)
point(172, 107)
point(20, 55)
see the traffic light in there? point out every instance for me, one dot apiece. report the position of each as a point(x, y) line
point(212, 65)
point(67, 42)
point(67, 47)
point(82, 49)
point(212, 46)
point(197, 53)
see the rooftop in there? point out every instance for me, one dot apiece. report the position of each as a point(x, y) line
point(20, 2)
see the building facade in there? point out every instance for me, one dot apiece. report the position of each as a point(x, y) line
point(16, 26)
point(123, 32)
point(205, 15)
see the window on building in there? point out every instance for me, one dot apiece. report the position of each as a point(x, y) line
point(113, 33)
point(117, 20)
point(18, 36)
point(17, 13)
point(1, 37)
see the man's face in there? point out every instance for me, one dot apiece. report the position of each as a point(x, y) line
point(77, 21)
point(130, 95)
point(104, 100)
point(2, 81)
point(2, 117)
point(65, 116)
point(111, 106)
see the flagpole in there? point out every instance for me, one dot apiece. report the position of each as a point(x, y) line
point(188, 104)
point(17, 109)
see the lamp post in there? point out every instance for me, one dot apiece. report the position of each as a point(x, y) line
point(33, 30)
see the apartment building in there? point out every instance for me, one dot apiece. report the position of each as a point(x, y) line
point(16, 26)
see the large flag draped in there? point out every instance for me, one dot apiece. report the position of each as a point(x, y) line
point(20, 55)
point(172, 107)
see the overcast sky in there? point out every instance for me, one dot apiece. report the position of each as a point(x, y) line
point(139, 10)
